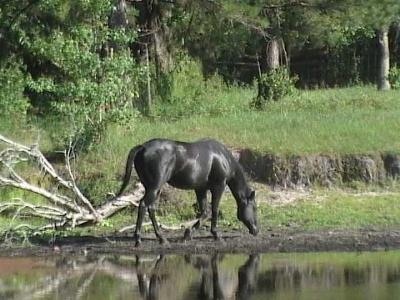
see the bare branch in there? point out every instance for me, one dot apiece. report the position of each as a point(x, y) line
point(54, 198)
point(184, 225)
point(73, 184)
point(61, 209)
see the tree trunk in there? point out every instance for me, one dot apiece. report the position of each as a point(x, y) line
point(384, 60)
point(118, 19)
point(151, 19)
point(272, 54)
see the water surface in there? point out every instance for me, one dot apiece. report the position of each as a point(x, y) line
point(259, 276)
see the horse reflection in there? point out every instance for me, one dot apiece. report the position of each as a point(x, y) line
point(149, 287)
point(211, 286)
point(247, 275)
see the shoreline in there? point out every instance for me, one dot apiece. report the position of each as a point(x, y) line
point(203, 243)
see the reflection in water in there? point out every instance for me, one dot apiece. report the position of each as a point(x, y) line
point(256, 276)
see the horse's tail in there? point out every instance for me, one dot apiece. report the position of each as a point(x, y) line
point(128, 168)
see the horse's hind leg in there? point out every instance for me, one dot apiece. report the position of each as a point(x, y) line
point(148, 201)
point(201, 196)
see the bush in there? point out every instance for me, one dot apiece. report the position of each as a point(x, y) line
point(12, 85)
point(185, 92)
point(96, 90)
point(394, 77)
point(273, 86)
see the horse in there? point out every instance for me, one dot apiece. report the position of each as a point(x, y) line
point(202, 166)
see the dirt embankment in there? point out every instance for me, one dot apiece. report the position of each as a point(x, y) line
point(203, 243)
point(326, 170)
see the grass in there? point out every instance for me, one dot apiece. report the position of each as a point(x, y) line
point(330, 121)
point(338, 212)
point(318, 209)
point(339, 121)
point(322, 209)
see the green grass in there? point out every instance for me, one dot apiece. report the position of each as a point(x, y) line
point(338, 121)
point(338, 212)
point(322, 209)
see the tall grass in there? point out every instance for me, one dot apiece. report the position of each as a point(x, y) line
point(351, 120)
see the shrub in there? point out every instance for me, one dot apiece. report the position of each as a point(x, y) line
point(272, 86)
point(394, 77)
point(185, 92)
point(95, 90)
point(12, 84)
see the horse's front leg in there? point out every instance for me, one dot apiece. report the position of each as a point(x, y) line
point(216, 193)
point(151, 210)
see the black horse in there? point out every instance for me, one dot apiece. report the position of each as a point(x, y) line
point(203, 165)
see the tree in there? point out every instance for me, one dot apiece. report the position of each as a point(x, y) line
point(377, 16)
point(62, 45)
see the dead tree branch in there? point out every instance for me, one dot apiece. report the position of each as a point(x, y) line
point(62, 206)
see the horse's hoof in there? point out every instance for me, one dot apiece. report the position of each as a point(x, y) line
point(217, 238)
point(164, 241)
point(187, 236)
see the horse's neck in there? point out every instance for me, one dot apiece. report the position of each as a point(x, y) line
point(238, 184)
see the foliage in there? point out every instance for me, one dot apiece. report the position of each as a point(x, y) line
point(13, 102)
point(186, 92)
point(273, 86)
point(97, 96)
point(394, 77)
point(74, 68)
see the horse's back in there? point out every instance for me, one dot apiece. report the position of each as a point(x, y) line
point(185, 165)
point(205, 146)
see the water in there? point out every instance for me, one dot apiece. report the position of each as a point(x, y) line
point(264, 276)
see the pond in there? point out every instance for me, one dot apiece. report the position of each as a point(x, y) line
point(224, 276)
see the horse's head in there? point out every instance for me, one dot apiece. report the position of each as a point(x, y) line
point(247, 212)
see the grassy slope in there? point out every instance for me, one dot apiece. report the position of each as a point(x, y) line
point(353, 120)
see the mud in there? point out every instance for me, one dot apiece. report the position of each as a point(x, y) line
point(203, 243)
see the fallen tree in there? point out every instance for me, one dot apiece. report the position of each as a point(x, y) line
point(64, 205)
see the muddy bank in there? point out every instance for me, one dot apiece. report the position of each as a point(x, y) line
point(326, 170)
point(203, 243)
